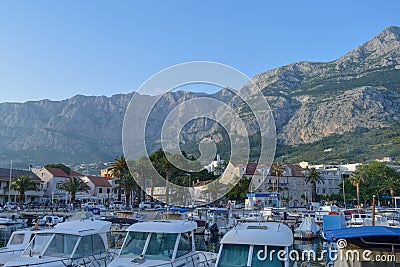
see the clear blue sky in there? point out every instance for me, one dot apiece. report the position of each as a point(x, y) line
point(57, 49)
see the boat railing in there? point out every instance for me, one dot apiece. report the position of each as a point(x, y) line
point(91, 260)
point(195, 259)
point(17, 251)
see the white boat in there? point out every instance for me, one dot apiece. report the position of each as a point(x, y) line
point(199, 215)
point(162, 243)
point(379, 221)
point(325, 210)
point(219, 219)
point(17, 243)
point(252, 244)
point(252, 216)
point(49, 220)
point(357, 219)
point(73, 243)
point(307, 230)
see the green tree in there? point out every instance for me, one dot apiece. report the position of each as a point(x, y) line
point(21, 185)
point(73, 185)
point(357, 177)
point(118, 170)
point(314, 177)
point(240, 190)
point(390, 181)
point(128, 183)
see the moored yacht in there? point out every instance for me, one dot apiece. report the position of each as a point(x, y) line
point(74, 243)
point(162, 243)
point(366, 244)
point(17, 243)
point(256, 244)
point(307, 230)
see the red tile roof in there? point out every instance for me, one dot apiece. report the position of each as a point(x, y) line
point(57, 172)
point(75, 173)
point(60, 173)
point(99, 181)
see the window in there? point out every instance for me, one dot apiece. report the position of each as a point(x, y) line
point(17, 239)
point(134, 244)
point(61, 245)
point(274, 261)
point(38, 244)
point(85, 247)
point(161, 246)
point(98, 244)
point(185, 244)
point(323, 191)
point(88, 245)
point(100, 190)
point(233, 255)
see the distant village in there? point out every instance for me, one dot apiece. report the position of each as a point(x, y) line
point(102, 188)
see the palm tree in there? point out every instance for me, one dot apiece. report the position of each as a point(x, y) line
point(277, 169)
point(128, 183)
point(142, 169)
point(73, 185)
point(390, 182)
point(357, 177)
point(314, 177)
point(118, 170)
point(21, 185)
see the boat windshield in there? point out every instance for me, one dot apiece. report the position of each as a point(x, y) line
point(60, 245)
point(160, 245)
point(134, 244)
point(236, 255)
point(38, 244)
point(271, 260)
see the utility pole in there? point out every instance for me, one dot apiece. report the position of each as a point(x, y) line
point(9, 184)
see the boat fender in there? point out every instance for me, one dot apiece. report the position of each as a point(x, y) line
point(309, 235)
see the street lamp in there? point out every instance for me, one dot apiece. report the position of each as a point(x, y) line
point(189, 187)
point(344, 193)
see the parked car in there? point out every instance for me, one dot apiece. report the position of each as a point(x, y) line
point(12, 206)
point(88, 205)
point(145, 205)
point(117, 205)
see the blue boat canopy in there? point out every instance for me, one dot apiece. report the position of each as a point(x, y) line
point(364, 231)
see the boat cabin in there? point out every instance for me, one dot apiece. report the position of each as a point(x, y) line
point(252, 243)
point(153, 243)
point(79, 242)
point(17, 243)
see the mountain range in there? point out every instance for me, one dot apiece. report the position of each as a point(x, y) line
point(311, 102)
